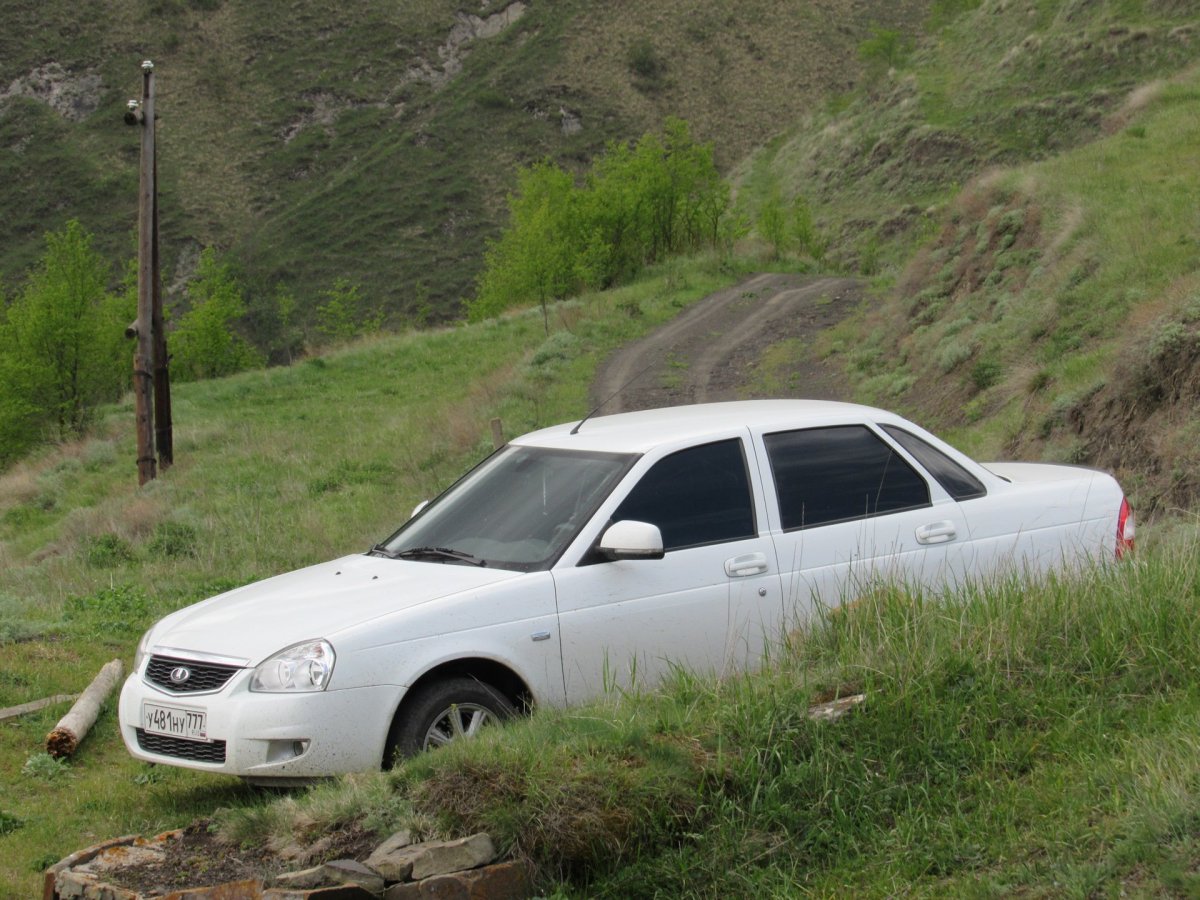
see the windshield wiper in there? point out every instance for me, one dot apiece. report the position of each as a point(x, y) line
point(381, 550)
point(439, 553)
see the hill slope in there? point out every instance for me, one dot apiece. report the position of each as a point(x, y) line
point(376, 141)
point(1024, 187)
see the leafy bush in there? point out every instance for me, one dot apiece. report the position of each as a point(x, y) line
point(345, 313)
point(105, 551)
point(562, 346)
point(985, 373)
point(645, 63)
point(62, 350)
point(45, 767)
point(9, 823)
point(205, 343)
point(953, 353)
point(114, 610)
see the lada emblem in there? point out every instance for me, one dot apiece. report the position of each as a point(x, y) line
point(180, 674)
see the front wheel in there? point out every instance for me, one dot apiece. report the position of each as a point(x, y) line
point(446, 711)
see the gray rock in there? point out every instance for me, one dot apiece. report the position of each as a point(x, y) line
point(349, 871)
point(393, 858)
point(303, 879)
point(503, 881)
point(444, 857)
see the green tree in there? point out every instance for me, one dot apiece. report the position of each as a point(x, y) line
point(773, 224)
point(205, 343)
point(637, 205)
point(538, 256)
point(62, 349)
point(344, 313)
point(804, 230)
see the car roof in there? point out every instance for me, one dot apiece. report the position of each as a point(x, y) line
point(638, 432)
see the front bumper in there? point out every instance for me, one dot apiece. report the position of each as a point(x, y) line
point(264, 736)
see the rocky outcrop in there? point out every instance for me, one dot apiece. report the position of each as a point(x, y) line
point(467, 29)
point(72, 96)
point(398, 869)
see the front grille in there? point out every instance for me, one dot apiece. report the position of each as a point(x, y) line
point(197, 751)
point(201, 676)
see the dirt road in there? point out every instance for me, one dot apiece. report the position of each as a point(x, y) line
point(714, 350)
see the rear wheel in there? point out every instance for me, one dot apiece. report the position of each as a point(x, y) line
point(446, 711)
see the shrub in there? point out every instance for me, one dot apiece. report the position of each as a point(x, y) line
point(205, 343)
point(985, 373)
point(105, 551)
point(62, 352)
point(114, 610)
point(173, 540)
point(646, 64)
point(45, 767)
point(951, 354)
point(562, 346)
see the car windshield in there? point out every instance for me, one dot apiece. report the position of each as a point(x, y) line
point(518, 509)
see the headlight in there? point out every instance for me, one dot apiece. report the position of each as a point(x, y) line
point(302, 667)
point(139, 655)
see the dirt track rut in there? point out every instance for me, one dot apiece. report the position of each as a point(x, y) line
point(711, 350)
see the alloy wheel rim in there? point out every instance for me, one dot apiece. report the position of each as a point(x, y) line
point(460, 720)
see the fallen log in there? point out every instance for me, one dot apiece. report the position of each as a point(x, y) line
point(74, 726)
point(11, 712)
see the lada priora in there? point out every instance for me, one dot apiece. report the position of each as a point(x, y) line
point(587, 555)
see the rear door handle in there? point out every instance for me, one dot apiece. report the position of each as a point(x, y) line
point(750, 564)
point(936, 533)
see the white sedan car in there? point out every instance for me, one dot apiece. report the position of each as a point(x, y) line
point(587, 555)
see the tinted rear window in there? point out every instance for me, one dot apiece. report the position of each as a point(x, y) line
point(825, 475)
point(958, 482)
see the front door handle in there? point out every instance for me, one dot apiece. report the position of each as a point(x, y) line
point(936, 533)
point(750, 564)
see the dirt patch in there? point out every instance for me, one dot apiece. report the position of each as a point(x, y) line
point(711, 351)
point(199, 858)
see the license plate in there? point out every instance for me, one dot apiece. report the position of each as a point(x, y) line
point(190, 724)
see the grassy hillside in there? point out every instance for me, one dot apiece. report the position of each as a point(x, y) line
point(1021, 187)
point(367, 140)
point(275, 470)
point(1016, 739)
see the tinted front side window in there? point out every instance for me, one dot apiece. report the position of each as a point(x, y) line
point(958, 482)
point(696, 496)
point(825, 475)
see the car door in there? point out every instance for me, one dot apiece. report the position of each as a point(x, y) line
point(626, 623)
point(850, 512)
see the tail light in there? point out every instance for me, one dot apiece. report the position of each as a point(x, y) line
point(1125, 529)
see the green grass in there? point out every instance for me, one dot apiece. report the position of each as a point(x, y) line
point(1036, 739)
point(1016, 738)
point(1086, 309)
point(274, 470)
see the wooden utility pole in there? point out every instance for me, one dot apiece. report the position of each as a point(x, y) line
point(151, 379)
point(164, 440)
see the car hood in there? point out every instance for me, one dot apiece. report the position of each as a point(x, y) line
point(253, 622)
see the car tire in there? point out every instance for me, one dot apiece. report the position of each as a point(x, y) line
point(444, 711)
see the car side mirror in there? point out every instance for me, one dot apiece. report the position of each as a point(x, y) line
point(420, 506)
point(631, 540)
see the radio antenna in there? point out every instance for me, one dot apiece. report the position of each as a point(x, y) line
point(600, 405)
